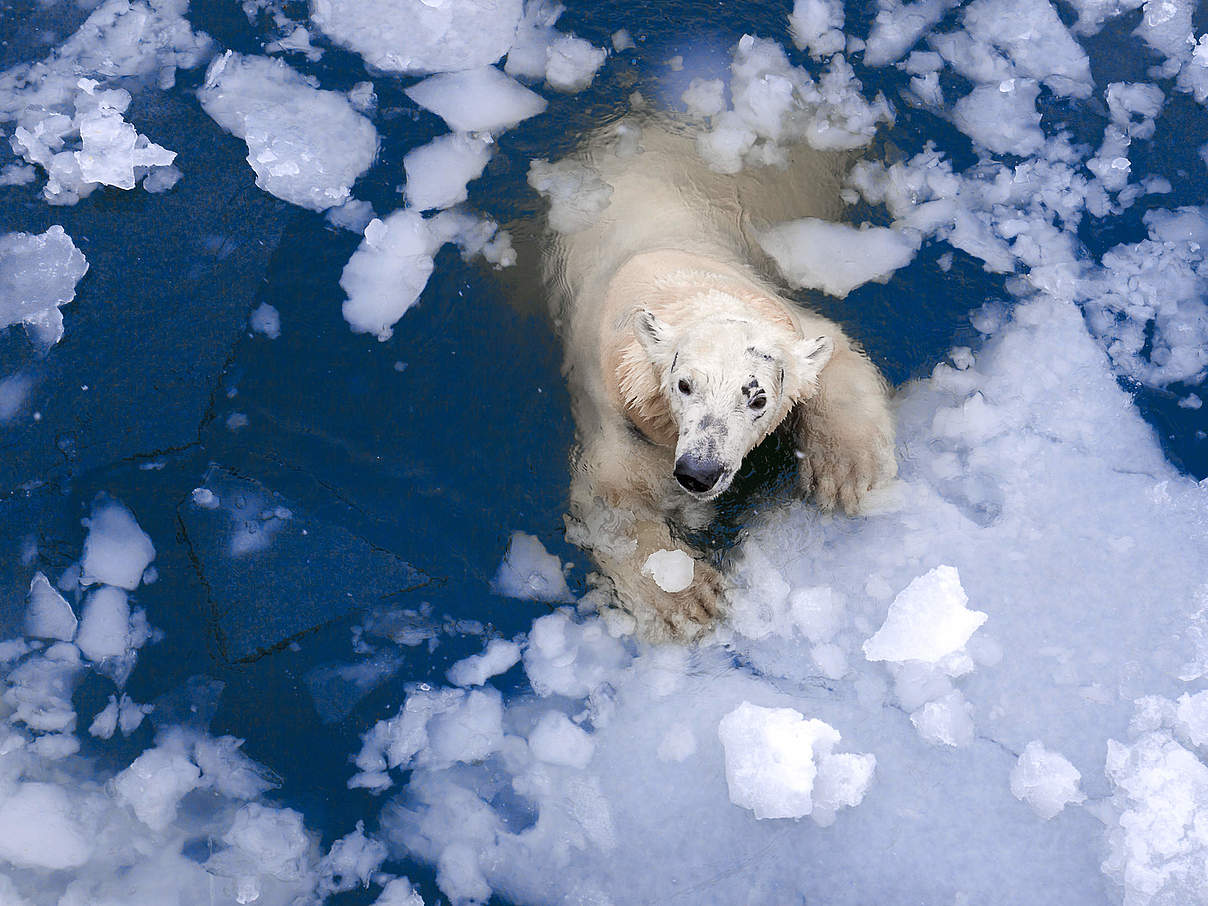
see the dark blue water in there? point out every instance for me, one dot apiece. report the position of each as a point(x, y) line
point(409, 479)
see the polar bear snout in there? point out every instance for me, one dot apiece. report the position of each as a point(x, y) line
point(698, 475)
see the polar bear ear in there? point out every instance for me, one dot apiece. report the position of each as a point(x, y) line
point(806, 359)
point(655, 336)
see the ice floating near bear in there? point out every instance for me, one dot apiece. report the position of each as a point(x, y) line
point(927, 620)
point(530, 572)
point(671, 570)
point(1045, 780)
point(38, 274)
point(834, 257)
point(477, 100)
point(307, 145)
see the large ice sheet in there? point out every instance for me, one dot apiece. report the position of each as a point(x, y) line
point(415, 36)
point(37, 275)
point(307, 145)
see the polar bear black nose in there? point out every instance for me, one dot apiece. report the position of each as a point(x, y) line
point(697, 475)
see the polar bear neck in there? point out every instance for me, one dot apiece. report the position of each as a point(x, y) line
point(681, 289)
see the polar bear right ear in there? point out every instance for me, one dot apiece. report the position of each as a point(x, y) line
point(655, 335)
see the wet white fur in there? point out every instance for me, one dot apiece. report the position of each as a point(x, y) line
point(665, 287)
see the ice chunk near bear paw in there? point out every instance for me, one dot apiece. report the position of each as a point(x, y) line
point(307, 146)
point(1045, 780)
point(671, 570)
point(47, 613)
point(780, 765)
point(530, 572)
point(117, 551)
point(421, 36)
point(477, 100)
point(38, 273)
point(834, 257)
point(576, 193)
point(926, 621)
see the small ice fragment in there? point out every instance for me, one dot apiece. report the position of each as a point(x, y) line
point(38, 273)
point(1045, 780)
point(671, 569)
point(438, 173)
point(571, 63)
point(577, 194)
point(835, 257)
point(817, 26)
point(47, 613)
point(622, 40)
point(387, 273)
point(499, 657)
point(116, 551)
point(705, 97)
point(927, 620)
point(105, 625)
point(530, 572)
point(38, 830)
point(555, 740)
point(945, 721)
point(104, 725)
point(266, 320)
point(478, 100)
point(399, 892)
point(205, 498)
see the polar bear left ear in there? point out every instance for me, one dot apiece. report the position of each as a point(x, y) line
point(806, 359)
point(655, 336)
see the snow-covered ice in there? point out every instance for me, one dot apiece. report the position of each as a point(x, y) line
point(477, 100)
point(671, 570)
point(38, 274)
point(834, 257)
point(926, 621)
point(499, 657)
point(116, 551)
point(438, 172)
point(1045, 780)
point(307, 145)
point(530, 572)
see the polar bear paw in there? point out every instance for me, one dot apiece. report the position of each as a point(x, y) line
point(843, 476)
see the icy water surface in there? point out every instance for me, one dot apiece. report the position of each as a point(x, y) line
point(280, 516)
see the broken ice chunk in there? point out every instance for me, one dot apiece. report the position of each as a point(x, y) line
point(500, 656)
point(38, 829)
point(439, 172)
point(266, 319)
point(111, 149)
point(116, 551)
point(577, 194)
point(421, 36)
point(773, 757)
point(386, 274)
point(1045, 780)
point(47, 614)
point(945, 721)
point(834, 257)
point(155, 783)
point(37, 275)
point(477, 100)
point(105, 626)
point(817, 26)
point(927, 620)
point(571, 63)
point(671, 570)
point(530, 572)
point(307, 146)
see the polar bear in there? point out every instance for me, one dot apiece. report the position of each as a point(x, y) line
point(682, 355)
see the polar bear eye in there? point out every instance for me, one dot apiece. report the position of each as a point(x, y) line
point(758, 403)
point(684, 386)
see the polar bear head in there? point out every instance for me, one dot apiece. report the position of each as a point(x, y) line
point(727, 383)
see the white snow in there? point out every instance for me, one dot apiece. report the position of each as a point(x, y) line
point(477, 100)
point(1045, 780)
point(39, 829)
point(499, 657)
point(38, 274)
point(926, 621)
point(307, 145)
point(421, 36)
point(116, 550)
point(438, 172)
point(530, 572)
point(834, 257)
point(774, 755)
point(671, 569)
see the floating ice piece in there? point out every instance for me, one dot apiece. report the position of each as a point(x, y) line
point(555, 740)
point(705, 97)
point(571, 63)
point(1002, 117)
point(926, 621)
point(774, 755)
point(306, 145)
point(155, 783)
point(817, 26)
point(477, 100)
point(111, 150)
point(568, 658)
point(47, 613)
point(38, 829)
point(104, 725)
point(500, 656)
point(116, 551)
point(266, 319)
point(1045, 780)
point(530, 572)
point(438, 173)
point(352, 861)
point(671, 570)
point(946, 720)
point(399, 892)
point(105, 625)
point(37, 275)
point(386, 274)
point(899, 25)
point(421, 36)
point(576, 193)
point(1191, 715)
point(834, 257)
